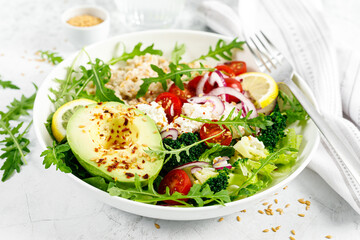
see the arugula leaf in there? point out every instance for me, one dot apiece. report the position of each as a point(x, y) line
point(233, 123)
point(101, 75)
point(176, 152)
point(51, 57)
point(216, 150)
point(292, 107)
point(176, 73)
point(15, 144)
point(15, 148)
point(55, 155)
point(222, 49)
point(7, 84)
point(202, 196)
point(136, 52)
point(176, 54)
point(98, 182)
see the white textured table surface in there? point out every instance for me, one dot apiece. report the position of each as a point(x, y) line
point(45, 204)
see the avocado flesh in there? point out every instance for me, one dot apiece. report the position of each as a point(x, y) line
point(109, 139)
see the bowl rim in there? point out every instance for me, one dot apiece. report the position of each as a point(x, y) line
point(105, 21)
point(174, 210)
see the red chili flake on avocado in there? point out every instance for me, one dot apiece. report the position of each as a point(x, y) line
point(126, 122)
point(125, 129)
point(99, 103)
point(146, 176)
point(129, 175)
point(96, 149)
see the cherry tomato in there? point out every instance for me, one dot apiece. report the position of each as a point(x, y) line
point(233, 83)
point(208, 130)
point(178, 181)
point(171, 103)
point(228, 71)
point(192, 85)
point(238, 67)
point(182, 94)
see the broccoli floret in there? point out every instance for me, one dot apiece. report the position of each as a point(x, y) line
point(219, 182)
point(185, 139)
point(272, 134)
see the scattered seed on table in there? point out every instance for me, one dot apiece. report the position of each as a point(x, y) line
point(276, 201)
point(328, 236)
point(287, 205)
point(301, 200)
point(307, 203)
point(269, 206)
point(292, 232)
point(292, 238)
point(301, 215)
point(261, 212)
point(265, 230)
point(238, 218)
point(273, 229)
point(285, 187)
point(277, 228)
point(221, 219)
point(157, 226)
point(265, 203)
point(307, 208)
point(243, 210)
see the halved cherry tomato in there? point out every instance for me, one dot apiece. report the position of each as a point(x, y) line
point(182, 94)
point(228, 71)
point(208, 130)
point(178, 181)
point(238, 67)
point(192, 85)
point(171, 103)
point(233, 83)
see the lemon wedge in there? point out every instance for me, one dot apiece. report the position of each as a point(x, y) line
point(261, 87)
point(62, 115)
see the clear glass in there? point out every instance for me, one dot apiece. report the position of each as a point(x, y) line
point(149, 14)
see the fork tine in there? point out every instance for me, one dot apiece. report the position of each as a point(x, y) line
point(259, 60)
point(266, 56)
point(268, 48)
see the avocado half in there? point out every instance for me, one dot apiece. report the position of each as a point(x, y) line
point(109, 139)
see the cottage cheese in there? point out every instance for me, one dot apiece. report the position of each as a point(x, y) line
point(156, 113)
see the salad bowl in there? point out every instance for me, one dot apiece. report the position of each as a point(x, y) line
point(196, 44)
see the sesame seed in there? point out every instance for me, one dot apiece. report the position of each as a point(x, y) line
point(243, 210)
point(285, 187)
point(328, 236)
point(238, 218)
point(307, 207)
point(261, 212)
point(292, 238)
point(292, 232)
point(301, 200)
point(307, 203)
point(265, 230)
point(301, 215)
point(276, 193)
point(278, 227)
point(265, 203)
point(157, 226)
point(221, 219)
point(276, 201)
point(287, 205)
point(273, 229)
point(269, 206)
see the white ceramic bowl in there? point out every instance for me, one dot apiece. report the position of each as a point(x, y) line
point(196, 43)
point(81, 36)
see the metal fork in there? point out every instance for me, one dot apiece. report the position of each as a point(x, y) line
point(270, 59)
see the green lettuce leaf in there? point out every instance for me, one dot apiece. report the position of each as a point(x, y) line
point(216, 150)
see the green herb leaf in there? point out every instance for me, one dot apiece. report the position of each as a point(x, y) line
point(176, 75)
point(15, 148)
point(7, 84)
point(55, 155)
point(98, 182)
point(136, 52)
point(176, 54)
point(51, 57)
point(176, 152)
point(202, 196)
point(233, 123)
point(292, 107)
point(216, 150)
point(222, 49)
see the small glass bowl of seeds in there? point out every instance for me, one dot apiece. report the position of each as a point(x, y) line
point(85, 25)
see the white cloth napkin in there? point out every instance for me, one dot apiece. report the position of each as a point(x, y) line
point(302, 35)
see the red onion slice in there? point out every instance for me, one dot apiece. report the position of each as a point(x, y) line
point(217, 77)
point(193, 164)
point(195, 169)
point(231, 91)
point(201, 84)
point(228, 166)
point(170, 133)
point(218, 105)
